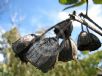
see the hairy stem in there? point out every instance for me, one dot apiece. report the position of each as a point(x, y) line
point(73, 17)
point(85, 16)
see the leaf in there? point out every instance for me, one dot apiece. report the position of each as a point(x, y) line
point(12, 35)
point(97, 1)
point(76, 4)
point(65, 2)
point(85, 52)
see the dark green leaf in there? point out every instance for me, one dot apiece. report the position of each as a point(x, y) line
point(85, 52)
point(97, 1)
point(75, 5)
point(65, 2)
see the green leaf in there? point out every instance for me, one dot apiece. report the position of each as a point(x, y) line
point(85, 52)
point(12, 35)
point(76, 4)
point(65, 2)
point(97, 1)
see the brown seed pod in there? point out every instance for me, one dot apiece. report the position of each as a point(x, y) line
point(21, 46)
point(88, 41)
point(43, 53)
point(64, 26)
point(95, 43)
point(68, 52)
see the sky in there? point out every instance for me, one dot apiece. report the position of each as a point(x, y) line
point(33, 15)
point(30, 16)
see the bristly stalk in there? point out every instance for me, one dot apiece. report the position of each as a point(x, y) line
point(87, 3)
point(88, 18)
point(78, 19)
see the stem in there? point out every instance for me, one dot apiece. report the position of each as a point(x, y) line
point(38, 38)
point(61, 30)
point(87, 7)
point(89, 26)
point(85, 16)
point(99, 68)
point(47, 31)
point(86, 24)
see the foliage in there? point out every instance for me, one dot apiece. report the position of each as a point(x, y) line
point(68, 1)
point(12, 35)
point(97, 1)
point(75, 3)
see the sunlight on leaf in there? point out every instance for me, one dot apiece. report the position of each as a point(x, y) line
point(85, 52)
point(12, 35)
point(65, 2)
point(72, 3)
point(97, 1)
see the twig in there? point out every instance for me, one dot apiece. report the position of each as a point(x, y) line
point(87, 2)
point(85, 16)
point(99, 69)
point(73, 17)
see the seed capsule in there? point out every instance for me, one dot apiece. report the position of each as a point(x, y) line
point(22, 45)
point(68, 52)
point(88, 41)
point(66, 27)
point(43, 53)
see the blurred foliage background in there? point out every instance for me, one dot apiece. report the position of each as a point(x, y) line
point(14, 67)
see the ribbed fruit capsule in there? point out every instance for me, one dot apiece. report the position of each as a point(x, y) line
point(69, 51)
point(88, 41)
point(43, 53)
point(64, 29)
point(22, 45)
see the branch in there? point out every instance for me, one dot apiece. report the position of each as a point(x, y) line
point(73, 17)
point(85, 16)
point(99, 69)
